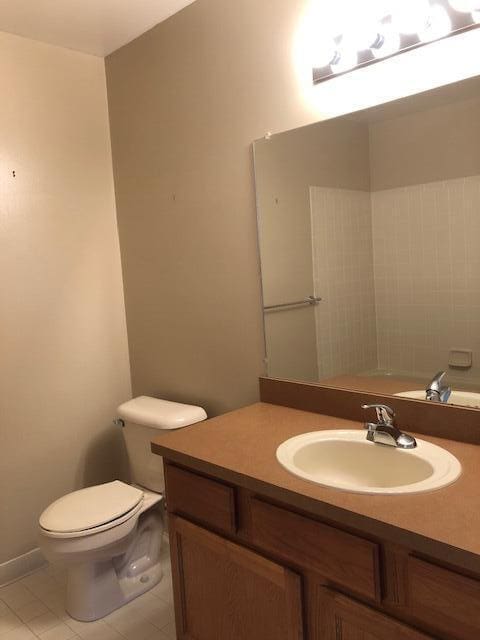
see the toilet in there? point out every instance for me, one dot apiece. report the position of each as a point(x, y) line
point(109, 536)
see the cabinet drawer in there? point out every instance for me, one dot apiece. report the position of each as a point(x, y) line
point(444, 599)
point(342, 558)
point(207, 501)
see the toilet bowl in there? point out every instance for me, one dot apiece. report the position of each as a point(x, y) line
point(109, 536)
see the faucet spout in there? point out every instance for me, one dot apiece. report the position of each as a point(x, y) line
point(384, 431)
point(437, 391)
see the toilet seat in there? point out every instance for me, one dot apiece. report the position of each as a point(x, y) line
point(91, 510)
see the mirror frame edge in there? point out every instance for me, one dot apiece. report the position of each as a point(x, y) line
point(420, 416)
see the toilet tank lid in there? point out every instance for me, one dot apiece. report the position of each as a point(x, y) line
point(160, 414)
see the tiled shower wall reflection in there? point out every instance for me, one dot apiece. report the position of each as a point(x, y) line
point(343, 277)
point(399, 271)
point(426, 241)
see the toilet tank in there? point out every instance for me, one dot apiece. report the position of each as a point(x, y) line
point(143, 417)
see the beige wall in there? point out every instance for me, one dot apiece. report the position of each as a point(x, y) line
point(186, 101)
point(333, 154)
point(63, 339)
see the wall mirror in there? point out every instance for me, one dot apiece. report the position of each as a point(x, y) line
point(369, 232)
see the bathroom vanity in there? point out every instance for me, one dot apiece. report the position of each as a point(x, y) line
point(259, 554)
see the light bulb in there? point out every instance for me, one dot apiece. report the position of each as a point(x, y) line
point(323, 53)
point(318, 46)
point(410, 16)
point(465, 6)
point(360, 37)
point(360, 33)
point(360, 25)
point(381, 9)
point(438, 24)
point(388, 44)
point(346, 59)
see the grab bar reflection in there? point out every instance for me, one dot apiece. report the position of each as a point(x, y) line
point(311, 300)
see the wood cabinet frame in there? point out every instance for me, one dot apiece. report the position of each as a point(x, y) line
point(361, 588)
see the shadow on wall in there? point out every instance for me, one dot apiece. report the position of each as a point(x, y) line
point(105, 452)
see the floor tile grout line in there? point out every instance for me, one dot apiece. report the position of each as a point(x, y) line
point(57, 584)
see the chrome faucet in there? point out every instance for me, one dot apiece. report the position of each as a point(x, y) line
point(436, 390)
point(384, 430)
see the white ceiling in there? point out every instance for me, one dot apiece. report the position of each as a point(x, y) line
point(92, 26)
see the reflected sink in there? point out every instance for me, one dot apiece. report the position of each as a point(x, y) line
point(462, 398)
point(344, 459)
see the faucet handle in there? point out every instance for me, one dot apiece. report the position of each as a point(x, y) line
point(385, 414)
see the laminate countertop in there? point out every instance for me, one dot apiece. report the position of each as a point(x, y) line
point(239, 447)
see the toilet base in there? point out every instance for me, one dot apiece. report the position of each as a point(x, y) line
point(95, 589)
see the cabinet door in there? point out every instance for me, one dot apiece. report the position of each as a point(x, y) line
point(225, 591)
point(447, 600)
point(341, 618)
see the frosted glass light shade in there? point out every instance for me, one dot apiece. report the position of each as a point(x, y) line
point(361, 27)
point(465, 6)
point(410, 16)
point(438, 24)
point(381, 8)
point(323, 53)
point(389, 45)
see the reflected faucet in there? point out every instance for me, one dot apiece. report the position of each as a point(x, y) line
point(436, 390)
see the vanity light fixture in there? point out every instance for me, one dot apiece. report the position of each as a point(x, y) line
point(388, 28)
point(465, 6)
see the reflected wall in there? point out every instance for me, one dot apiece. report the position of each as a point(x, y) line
point(380, 211)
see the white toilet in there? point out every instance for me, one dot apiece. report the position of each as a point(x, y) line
point(109, 536)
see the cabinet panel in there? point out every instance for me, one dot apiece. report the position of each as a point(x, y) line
point(341, 557)
point(446, 600)
point(209, 501)
point(225, 591)
point(345, 619)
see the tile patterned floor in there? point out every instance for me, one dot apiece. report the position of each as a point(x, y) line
point(33, 608)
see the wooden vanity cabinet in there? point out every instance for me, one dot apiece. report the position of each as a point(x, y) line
point(202, 499)
point(341, 618)
point(344, 559)
point(246, 569)
point(446, 597)
point(224, 591)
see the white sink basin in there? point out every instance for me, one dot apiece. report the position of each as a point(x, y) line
point(345, 460)
point(462, 398)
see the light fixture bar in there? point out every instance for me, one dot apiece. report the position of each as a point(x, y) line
point(443, 20)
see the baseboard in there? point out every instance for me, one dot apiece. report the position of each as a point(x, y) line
point(18, 567)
